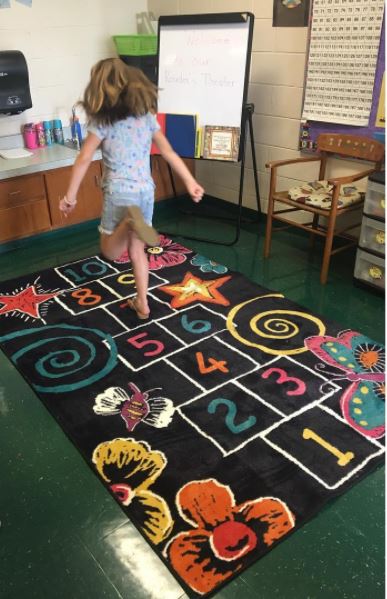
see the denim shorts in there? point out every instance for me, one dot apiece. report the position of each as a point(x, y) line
point(115, 208)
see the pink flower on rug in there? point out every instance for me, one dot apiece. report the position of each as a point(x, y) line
point(223, 534)
point(167, 253)
point(123, 259)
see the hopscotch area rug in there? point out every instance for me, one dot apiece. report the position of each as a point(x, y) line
point(221, 424)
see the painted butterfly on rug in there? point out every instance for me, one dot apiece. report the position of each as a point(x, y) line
point(362, 364)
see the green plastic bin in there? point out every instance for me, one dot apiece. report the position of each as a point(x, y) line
point(136, 45)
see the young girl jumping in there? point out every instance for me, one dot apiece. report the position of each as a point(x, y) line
point(120, 103)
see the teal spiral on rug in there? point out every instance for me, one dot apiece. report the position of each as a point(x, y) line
point(62, 358)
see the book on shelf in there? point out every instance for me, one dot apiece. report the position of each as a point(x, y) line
point(180, 130)
point(221, 142)
point(199, 141)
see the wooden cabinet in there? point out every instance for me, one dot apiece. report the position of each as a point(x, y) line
point(89, 198)
point(30, 204)
point(22, 190)
point(162, 178)
point(23, 207)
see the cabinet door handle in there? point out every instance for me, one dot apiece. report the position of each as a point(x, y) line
point(97, 181)
point(14, 193)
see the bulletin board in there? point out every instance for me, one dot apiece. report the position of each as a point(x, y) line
point(375, 125)
point(204, 65)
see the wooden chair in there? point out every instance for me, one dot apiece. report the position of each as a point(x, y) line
point(328, 145)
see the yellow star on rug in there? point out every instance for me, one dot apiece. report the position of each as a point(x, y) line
point(192, 289)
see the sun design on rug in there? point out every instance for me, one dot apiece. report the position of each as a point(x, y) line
point(30, 302)
point(130, 467)
point(224, 534)
point(192, 289)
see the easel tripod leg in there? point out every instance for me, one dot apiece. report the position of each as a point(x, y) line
point(255, 171)
point(247, 123)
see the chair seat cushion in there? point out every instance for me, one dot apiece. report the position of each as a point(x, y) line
point(319, 195)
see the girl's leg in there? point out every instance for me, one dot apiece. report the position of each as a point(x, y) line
point(141, 271)
point(114, 245)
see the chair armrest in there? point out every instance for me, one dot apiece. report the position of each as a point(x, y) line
point(276, 163)
point(351, 178)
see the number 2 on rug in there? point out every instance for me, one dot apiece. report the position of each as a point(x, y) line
point(230, 417)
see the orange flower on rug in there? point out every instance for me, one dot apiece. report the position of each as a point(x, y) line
point(224, 533)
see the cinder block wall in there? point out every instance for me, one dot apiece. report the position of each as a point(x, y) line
point(276, 88)
point(61, 41)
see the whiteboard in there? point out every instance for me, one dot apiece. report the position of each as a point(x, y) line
point(203, 66)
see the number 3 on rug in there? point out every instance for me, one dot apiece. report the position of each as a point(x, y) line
point(284, 378)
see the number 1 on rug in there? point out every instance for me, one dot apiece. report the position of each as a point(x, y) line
point(343, 458)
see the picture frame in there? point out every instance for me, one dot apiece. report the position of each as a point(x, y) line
point(221, 143)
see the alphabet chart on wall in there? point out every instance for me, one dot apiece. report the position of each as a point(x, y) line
point(343, 52)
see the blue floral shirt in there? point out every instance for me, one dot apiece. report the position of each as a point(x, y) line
point(126, 153)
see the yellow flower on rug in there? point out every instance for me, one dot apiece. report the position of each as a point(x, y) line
point(131, 467)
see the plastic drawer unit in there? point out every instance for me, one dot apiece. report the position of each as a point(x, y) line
point(374, 204)
point(370, 269)
point(372, 235)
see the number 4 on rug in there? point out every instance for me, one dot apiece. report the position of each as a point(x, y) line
point(214, 364)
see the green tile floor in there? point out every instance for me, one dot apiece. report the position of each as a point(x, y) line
point(61, 534)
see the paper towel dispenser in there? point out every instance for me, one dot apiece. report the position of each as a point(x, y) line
point(14, 83)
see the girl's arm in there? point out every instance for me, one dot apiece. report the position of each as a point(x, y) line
point(167, 152)
point(79, 169)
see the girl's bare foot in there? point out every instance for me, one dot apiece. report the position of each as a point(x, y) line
point(141, 311)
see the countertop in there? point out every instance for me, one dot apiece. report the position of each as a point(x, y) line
point(42, 159)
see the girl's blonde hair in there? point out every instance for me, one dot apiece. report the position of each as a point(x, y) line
point(116, 91)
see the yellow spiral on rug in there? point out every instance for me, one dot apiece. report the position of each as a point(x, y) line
point(278, 326)
point(274, 324)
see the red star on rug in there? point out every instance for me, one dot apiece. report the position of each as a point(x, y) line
point(26, 301)
point(192, 289)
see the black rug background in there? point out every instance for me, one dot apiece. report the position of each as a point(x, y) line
point(252, 471)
